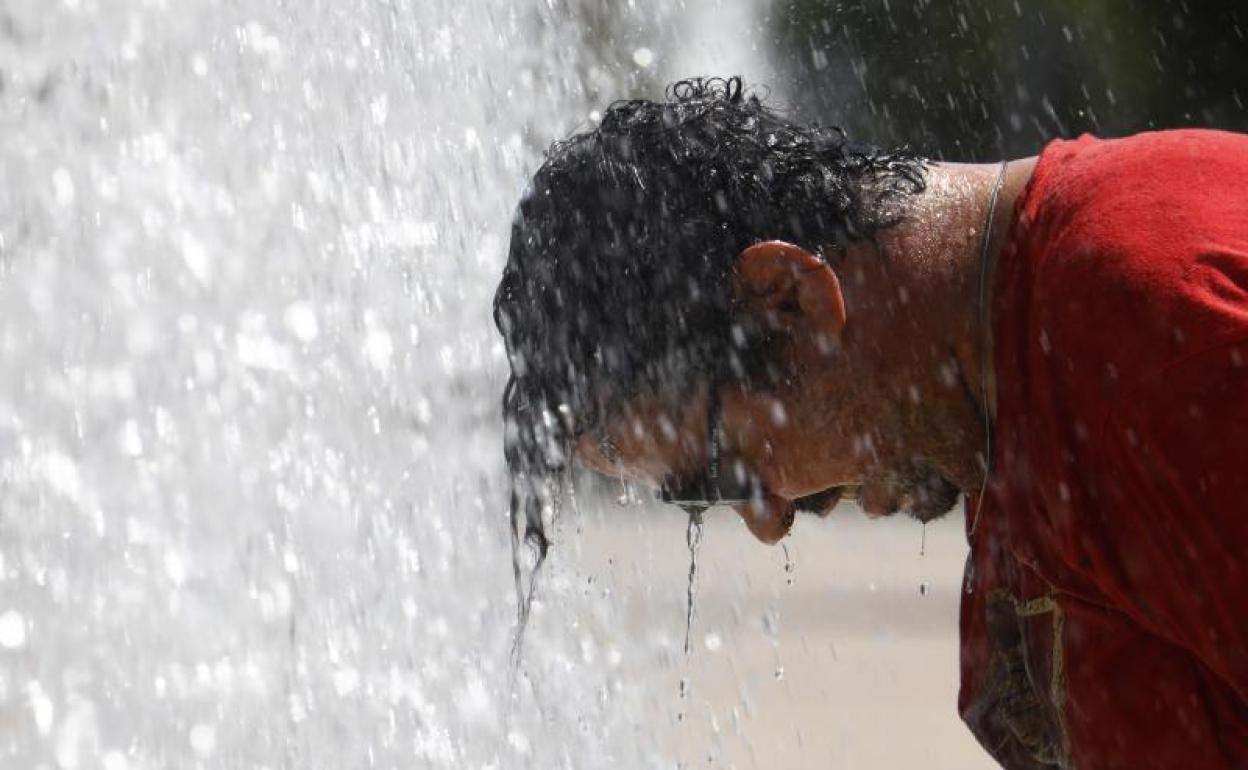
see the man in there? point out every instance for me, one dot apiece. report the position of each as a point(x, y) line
point(702, 294)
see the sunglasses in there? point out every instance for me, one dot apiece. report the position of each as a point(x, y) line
point(712, 486)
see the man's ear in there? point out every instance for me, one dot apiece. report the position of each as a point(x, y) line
point(787, 288)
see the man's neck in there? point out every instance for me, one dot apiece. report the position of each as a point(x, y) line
point(918, 293)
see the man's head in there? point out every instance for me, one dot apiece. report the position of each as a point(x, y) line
point(680, 246)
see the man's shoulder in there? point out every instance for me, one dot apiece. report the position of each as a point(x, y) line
point(1151, 155)
point(1144, 190)
point(1130, 253)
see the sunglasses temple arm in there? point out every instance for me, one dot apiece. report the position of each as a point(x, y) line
point(713, 431)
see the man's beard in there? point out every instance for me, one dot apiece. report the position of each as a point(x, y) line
point(921, 490)
point(933, 495)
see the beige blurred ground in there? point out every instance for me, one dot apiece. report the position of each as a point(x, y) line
point(847, 661)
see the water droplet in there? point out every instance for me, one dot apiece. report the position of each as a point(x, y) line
point(115, 760)
point(175, 567)
point(130, 440)
point(378, 348)
point(12, 630)
point(346, 681)
point(643, 57)
point(788, 563)
point(300, 319)
point(41, 707)
point(63, 187)
point(203, 739)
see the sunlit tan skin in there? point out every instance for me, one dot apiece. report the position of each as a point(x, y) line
point(885, 342)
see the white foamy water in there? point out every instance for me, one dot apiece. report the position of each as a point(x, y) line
point(251, 507)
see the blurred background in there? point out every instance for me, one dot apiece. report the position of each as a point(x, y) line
point(251, 501)
point(986, 79)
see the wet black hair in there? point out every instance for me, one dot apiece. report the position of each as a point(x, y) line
point(618, 280)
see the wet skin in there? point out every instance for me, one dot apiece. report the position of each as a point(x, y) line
point(808, 436)
point(649, 443)
point(884, 345)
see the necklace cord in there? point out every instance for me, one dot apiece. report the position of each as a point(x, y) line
point(984, 349)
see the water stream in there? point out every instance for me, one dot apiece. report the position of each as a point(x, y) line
point(693, 539)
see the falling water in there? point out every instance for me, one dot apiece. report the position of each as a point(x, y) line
point(693, 539)
point(251, 501)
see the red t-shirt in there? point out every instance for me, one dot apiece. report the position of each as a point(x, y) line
point(1105, 616)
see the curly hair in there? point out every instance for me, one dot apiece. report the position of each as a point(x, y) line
point(618, 280)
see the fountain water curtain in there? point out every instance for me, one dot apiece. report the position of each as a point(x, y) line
point(252, 511)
